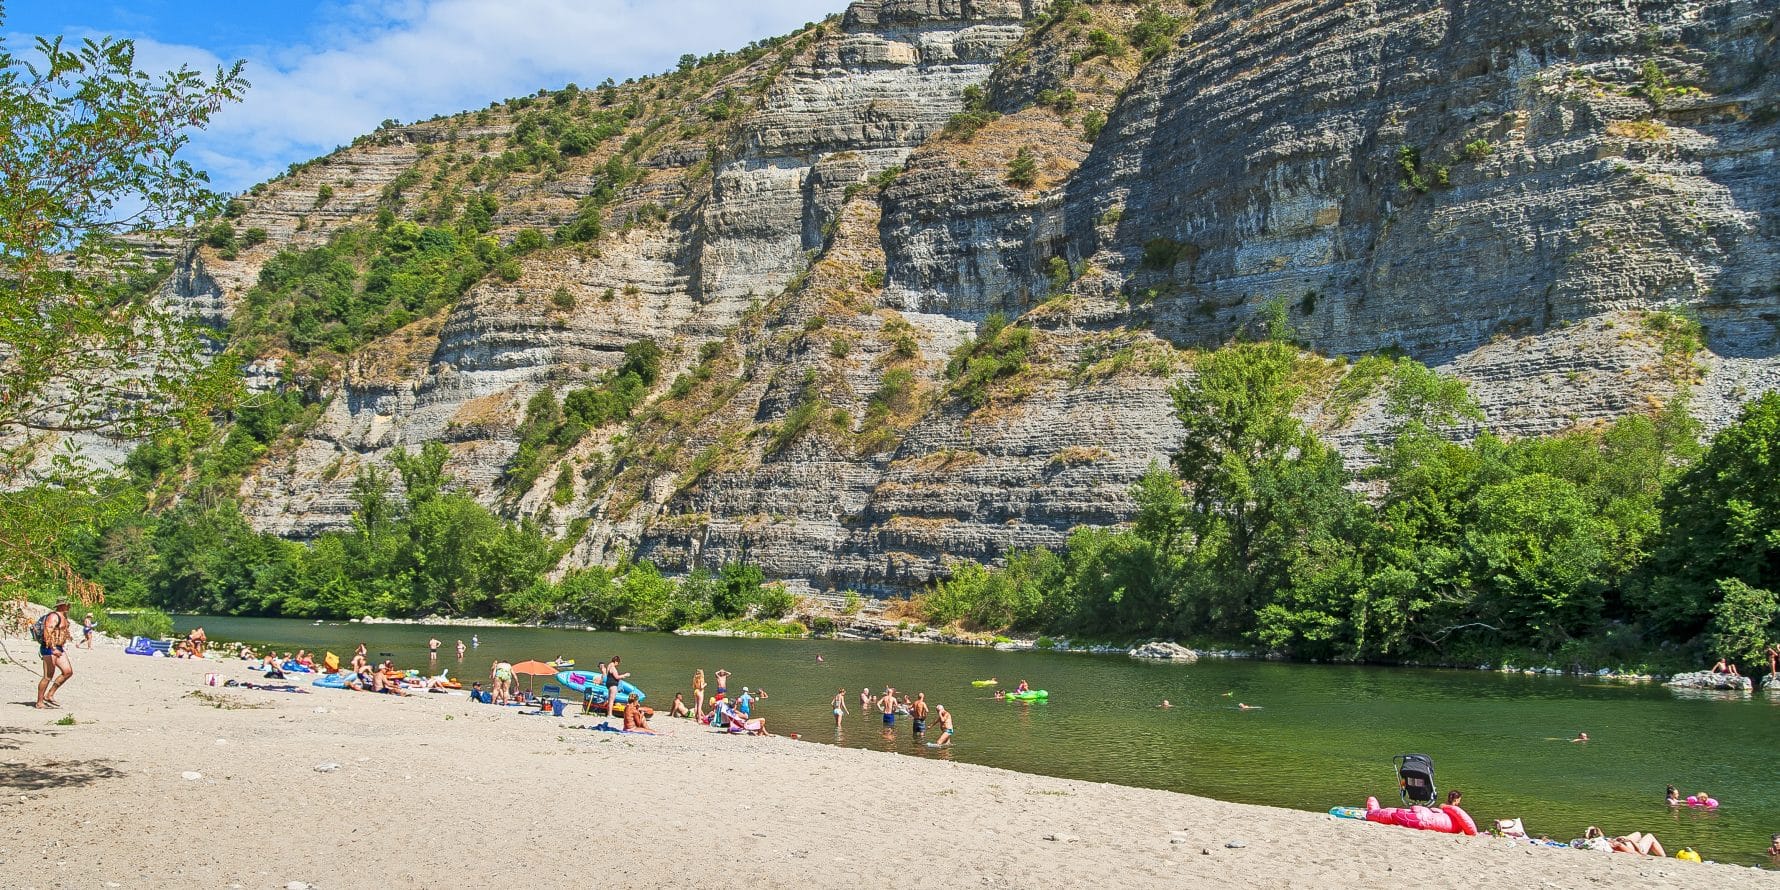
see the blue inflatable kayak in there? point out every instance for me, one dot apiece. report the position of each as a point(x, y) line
point(588, 682)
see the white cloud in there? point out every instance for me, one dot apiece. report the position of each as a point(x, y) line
point(412, 59)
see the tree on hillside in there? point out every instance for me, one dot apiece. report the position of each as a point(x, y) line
point(88, 155)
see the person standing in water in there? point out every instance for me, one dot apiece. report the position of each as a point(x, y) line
point(460, 650)
point(918, 711)
point(432, 649)
point(865, 699)
point(945, 727)
point(887, 705)
point(840, 707)
point(475, 641)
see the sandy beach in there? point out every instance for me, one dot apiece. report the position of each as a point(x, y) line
point(163, 781)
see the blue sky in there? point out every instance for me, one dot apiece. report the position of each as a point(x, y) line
point(326, 71)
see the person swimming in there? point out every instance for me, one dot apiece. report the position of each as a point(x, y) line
point(1580, 737)
point(1243, 706)
point(1165, 704)
point(1672, 796)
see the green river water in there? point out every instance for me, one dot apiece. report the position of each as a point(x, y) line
point(1323, 735)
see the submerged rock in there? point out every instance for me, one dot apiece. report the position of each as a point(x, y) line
point(1710, 680)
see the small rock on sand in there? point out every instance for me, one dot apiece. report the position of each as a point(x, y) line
point(191, 776)
point(326, 767)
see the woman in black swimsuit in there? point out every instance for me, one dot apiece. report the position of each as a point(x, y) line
point(612, 679)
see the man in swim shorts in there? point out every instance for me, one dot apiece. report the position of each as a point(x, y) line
point(887, 705)
point(945, 726)
point(53, 649)
point(918, 711)
point(722, 682)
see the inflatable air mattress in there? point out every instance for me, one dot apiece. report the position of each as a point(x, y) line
point(588, 682)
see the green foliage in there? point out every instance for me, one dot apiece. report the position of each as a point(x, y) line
point(998, 351)
point(1058, 274)
point(144, 621)
point(1477, 149)
point(364, 283)
point(1256, 534)
point(809, 406)
point(1022, 171)
point(1720, 520)
point(92, 153)
point(1653, 84)
point(737, 590)
point(1409, 160)
point(323, 195)
point(963, 126)
point(1154, 32)
point(1102, 42)
point(1061, 101)
point(549, 429)
point(611, 181)
point(221, 235)
point(1742, 622)
point(1163, 254)
point(1092, 123)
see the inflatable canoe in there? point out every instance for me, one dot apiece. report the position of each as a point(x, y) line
point(588, 682)
point(1034, 695)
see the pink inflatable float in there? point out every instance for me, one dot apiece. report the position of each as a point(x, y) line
point(1449, 819)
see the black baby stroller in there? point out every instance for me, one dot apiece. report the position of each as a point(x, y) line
point(1415, 779)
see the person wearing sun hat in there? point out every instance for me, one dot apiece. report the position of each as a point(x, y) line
point(53, 649)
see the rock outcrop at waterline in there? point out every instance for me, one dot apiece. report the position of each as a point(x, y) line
point(1506, 190)
point(1711, 680)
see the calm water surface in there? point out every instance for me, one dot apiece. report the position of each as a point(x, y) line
point(1323, 735)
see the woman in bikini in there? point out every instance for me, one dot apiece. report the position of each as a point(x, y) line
point(840, 707)
point(698, 694)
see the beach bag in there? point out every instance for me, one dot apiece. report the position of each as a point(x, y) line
point(37, 629)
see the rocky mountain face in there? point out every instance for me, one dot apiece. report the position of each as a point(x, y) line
point(1525, 194)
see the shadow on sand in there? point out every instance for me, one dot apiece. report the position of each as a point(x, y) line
point(55, 774)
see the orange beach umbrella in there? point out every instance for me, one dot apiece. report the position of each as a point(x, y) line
point(535, 669)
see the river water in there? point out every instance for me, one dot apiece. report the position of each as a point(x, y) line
point(1322, 735)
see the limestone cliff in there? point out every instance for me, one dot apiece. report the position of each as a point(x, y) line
point(1504, 189)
